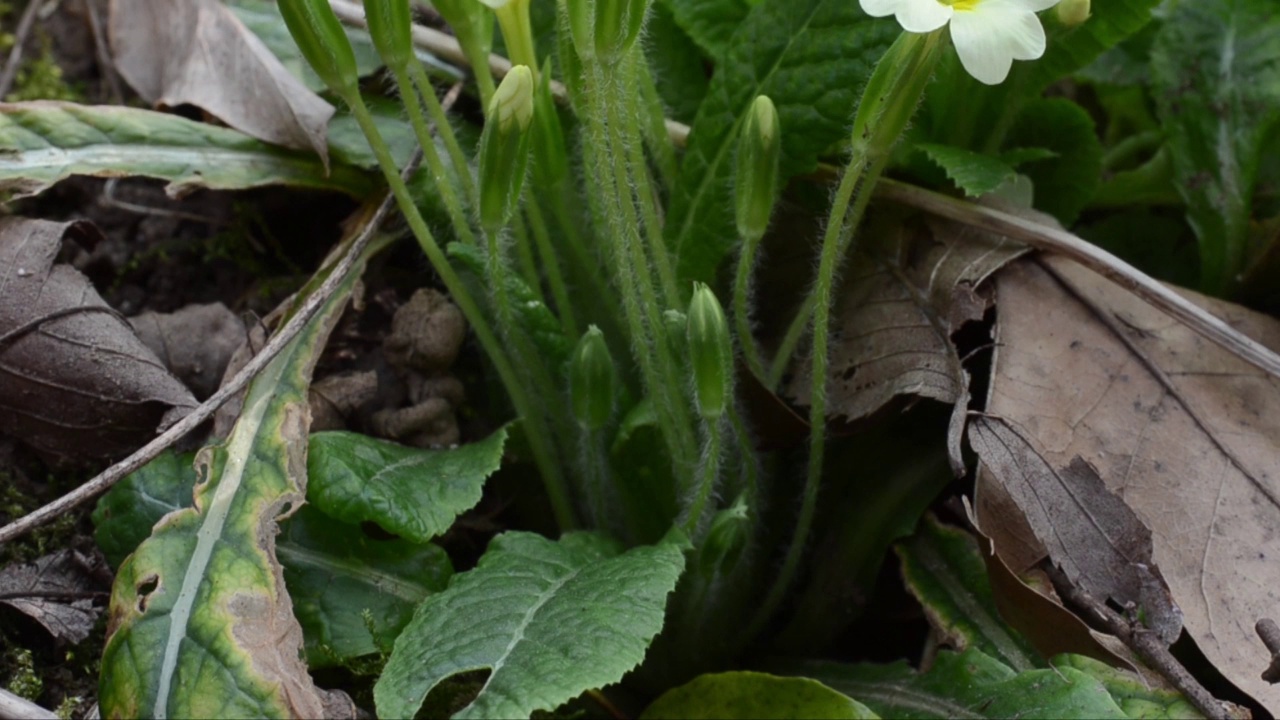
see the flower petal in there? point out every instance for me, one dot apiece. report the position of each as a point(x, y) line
point(879, 8)
point(1035, 5)
point(983, 53)
point(922, 16)
point(1020, 32)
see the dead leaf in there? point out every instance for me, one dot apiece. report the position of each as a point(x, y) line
point(197, 52)
point(1183, 432)
point(58, 591)
point(1089, 532)
point(906, 291)
point(74, 380)
point(195, 343)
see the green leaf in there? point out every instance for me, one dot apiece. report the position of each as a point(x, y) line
point(942, 568)
point(263, 18)
point(711, 23)
point(351, 593)
point(1216, 72)
point(201, 621)
point(677, 63)
point(413, 493)
point(334, 571)
point(1133, 694)
point(125, 515)
point(811, 57)
point(49, 141)
point(972, 172)
point(549, 619)
point(1070, 49)
point(1063, 183)
point(747, 695)
point(966, 685)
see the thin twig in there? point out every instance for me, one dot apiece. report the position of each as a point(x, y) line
point(310, 306)
point(106, 66)
point(1147, 644)
point(1061, 242)
point(19, 40)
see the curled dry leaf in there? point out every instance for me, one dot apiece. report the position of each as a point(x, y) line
point(1187, 435)
point(197, 52)
point(74, 379)
point(907, 290)
point(58, 592)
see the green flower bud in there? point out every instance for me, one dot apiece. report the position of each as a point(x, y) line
point(323, 43)
point(726, 539)
point(504, 148)
point(605, 28)
point(582, 17)
point(592, 381)
point(710, 352)
point(551, 158)
point(472, 24)
point(1072, 12)
point(759, 148)
point(390, 26)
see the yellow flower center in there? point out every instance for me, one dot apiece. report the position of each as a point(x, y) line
point(961, 5)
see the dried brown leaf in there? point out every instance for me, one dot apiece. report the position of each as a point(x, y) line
point(74, 379)
point(906, 291)
point(1186, 434)
point(197, 52)
point(57, 591)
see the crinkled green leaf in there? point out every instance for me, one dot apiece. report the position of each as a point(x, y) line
point(711, 23)
point(534, 317)
point(942, 568)
point(677, 64)
point(973, 173)
point(201, 624)
point(1070, 49)
point(1063, 183)
point(549, 619)
point(354, 594)
point(1134, 695)
point(334, 571)
point(45, 142)
point(1216, 78)
point(812, 57)
point(749, 695)
point(965, 685)
point(413, 493)
point(125, 515)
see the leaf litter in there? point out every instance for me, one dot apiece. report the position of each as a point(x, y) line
point(75, 381)
point(1184, 433)
point(197, 52)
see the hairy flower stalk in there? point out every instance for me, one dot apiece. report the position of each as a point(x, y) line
point(325, 46)
point(888, 102)
point(755, 190)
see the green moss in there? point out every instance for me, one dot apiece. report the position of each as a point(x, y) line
point(40, 77)
point(23, 681)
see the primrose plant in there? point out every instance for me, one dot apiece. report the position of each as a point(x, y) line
point(580, 304)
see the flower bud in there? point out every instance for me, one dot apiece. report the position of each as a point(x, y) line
point(710, 352)
point(504, 148)
point(551, 158)
point(605, 28)
point(1072, 12)
point(759, 148)
point(390, 26)
point(592, 381)
point(323, 43)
